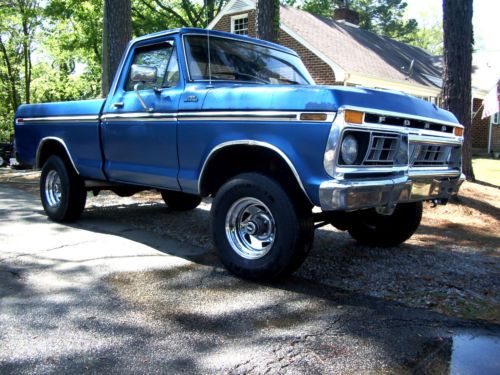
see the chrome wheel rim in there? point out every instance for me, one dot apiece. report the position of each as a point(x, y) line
point(53, 189)
point(250, 228)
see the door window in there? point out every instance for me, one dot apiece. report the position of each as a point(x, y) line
point(162, 57)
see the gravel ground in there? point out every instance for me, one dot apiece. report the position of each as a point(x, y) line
point(451, 265)
point(106, 296)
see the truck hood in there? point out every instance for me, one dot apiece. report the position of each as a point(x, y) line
point(319, 98)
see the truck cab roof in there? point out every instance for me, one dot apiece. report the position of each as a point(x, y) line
point(194, 30)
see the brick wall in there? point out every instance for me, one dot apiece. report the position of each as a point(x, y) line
point(480, 129)
point(224, 23)
point(320, 71)
point(495, 138)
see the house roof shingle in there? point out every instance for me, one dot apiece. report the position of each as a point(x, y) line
point(360, 51)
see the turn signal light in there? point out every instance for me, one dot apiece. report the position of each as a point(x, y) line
point(313, 116)
point(353, 117)
point(459, 132)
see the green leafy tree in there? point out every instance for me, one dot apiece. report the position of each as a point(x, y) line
point(73, 38)
point(155, 15)
point(429, 38)
point(19, 21)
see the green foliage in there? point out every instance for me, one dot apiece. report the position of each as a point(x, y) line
point(155, 15)
point(72, 39)
point(19, 21)
point(430, 38)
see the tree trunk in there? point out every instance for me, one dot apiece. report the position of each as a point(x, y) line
point(210, 4)
point(457, 98)
point(268, 20)
point(14, 93)
point(117, 32)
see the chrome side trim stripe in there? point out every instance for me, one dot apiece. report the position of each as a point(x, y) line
point(139, 116)
point(185, 116)
point(250, 115)
point(57, 119)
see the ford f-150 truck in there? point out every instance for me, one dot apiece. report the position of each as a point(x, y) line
point(195, 113)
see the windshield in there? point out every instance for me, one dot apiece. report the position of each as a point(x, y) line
point(235, 60)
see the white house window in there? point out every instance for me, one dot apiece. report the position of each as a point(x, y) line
point(496, 119)
point(239, 24)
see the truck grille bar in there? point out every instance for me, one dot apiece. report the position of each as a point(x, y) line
point(429, 155)
point(382, 150)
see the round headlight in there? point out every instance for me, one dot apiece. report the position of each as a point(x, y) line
point(349, 149)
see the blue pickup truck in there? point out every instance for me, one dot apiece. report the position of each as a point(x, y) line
point(195, 113)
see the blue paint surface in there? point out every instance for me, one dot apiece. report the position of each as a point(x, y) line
point(170, 154)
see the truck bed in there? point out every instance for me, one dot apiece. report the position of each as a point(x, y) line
point(75, 123)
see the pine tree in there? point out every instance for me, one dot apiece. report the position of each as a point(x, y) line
point(268, 19)
point(458, 41)
point(117, 32)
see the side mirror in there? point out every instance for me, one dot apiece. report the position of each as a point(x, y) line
point(143, 73)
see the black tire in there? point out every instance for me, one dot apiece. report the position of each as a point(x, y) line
point(62, 191)
point(372, 229)
point(273, 211)
point(178, 201)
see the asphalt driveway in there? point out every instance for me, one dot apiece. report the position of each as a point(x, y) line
point(107, 296)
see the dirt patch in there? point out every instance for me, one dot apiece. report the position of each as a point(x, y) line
point(450, 265)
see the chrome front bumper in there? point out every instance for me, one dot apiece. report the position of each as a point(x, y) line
point(346, 195)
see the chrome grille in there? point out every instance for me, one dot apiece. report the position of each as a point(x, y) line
point(382, 150)
point(429, 155)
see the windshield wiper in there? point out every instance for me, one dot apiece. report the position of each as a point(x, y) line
point(290, 81)
point(241, 74)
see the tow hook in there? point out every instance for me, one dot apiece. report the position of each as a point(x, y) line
point(439, 201)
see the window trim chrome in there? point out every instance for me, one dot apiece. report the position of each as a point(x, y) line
point(309, 79)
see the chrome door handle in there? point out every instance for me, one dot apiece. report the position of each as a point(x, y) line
point(118, 105)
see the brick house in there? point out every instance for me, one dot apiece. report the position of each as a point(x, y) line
point(337, 52)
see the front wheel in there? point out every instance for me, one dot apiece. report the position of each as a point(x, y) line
point(62, 191)
point(257, 230)
point(373, 229)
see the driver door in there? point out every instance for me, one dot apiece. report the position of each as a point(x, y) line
point(139, 139)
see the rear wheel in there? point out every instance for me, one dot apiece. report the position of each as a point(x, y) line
point(373, 229)
point(62, 191)
point(178, 201)
point(258, 231)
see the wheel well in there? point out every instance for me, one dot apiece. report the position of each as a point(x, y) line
point(52, 147)
point(233, 160)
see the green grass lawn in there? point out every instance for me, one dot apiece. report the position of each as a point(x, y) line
point(487, 170)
